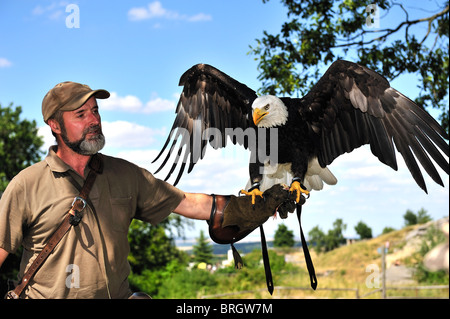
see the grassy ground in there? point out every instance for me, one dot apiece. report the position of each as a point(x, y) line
point(347, 268)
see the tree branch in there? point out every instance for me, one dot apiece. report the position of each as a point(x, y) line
point(388, 32)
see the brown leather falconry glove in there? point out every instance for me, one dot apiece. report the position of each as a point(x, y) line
point(234, 217)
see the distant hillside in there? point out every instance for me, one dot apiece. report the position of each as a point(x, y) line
point(243, 247)
point(403, 244)
point(346, 266)
point(341, 273)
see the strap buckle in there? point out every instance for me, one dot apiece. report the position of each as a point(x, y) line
point(11, 295)
point(80, 199)
point(75, 214)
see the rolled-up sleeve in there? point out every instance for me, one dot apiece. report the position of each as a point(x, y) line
point(12, 216)
point(156, 199)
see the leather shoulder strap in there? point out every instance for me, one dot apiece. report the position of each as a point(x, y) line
point(72, 218)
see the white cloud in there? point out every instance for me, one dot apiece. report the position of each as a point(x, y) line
point(46, 133)
point(141, 157)
point(155, 10)
point(199, 17)
point(53, 11)
point(118, 134)
point(5, 63)
point(127, 103)
point(159, 105)
point(136, 14)
point(125, 135)
point(222, 171)
point(133, 104)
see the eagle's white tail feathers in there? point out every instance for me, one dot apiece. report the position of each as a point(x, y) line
point(281, 174)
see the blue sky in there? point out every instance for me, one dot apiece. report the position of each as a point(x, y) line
point(138, 50)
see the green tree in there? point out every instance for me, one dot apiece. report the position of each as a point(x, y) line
point(410, 218)
point(188, 284)
point(150, 247)
point(283, 237)
point(153, 256)
point(317, 238)
point(335, 236)
point(364, 231)
point(203, 251)
point(19, 148)
point(421, 217)
point(19, 144)
point(320, 31)
point(387, 229)
point(326, 242)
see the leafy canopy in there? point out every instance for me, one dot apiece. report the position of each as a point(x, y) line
point(319, 32)
point(19, 144)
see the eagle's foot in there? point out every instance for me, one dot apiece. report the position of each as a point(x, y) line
point(253, 193)
point(299, 189)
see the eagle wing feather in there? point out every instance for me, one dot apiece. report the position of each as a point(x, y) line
point(210, 99)
point(352, 105)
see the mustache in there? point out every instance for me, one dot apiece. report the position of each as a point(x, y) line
point(93, 129)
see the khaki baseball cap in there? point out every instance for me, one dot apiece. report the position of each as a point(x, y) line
point(68, 96)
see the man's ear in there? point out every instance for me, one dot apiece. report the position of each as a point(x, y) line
point(54, 125)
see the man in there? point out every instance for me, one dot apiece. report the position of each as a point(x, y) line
point(91, 259)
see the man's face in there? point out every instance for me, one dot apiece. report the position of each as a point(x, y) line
point(81, 129)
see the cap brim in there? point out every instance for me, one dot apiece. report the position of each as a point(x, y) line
point(78, 101)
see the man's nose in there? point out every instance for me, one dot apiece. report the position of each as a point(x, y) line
point(94, 119)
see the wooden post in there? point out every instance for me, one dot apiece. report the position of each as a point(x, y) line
point(383, 272)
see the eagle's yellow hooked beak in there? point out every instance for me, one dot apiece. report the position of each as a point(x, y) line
point(258, 115)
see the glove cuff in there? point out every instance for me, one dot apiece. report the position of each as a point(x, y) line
point(219, 234)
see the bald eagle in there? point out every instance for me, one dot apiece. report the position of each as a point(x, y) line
point(350, 106)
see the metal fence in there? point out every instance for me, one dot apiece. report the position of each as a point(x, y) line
point(355, 290)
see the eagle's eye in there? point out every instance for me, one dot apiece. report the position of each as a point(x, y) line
point(266, 107)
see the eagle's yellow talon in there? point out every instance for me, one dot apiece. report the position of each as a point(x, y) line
point(253, 193)
point(295, 187)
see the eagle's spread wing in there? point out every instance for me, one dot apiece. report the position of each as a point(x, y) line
point(352, 105)
point(210, 99)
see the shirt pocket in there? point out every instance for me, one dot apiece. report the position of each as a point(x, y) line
point(121, 211)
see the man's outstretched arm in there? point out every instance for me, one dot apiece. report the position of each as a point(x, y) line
point(195, 206)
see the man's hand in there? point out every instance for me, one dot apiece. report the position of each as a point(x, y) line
point(3, 255)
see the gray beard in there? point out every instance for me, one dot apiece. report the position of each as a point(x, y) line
point(85, 146)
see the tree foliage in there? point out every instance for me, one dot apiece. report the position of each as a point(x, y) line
point(326, 242)
point(421, 217)
point(387, 229)
point(320, 31)
point(19, 144)
point(19, 147)
point(150, 247)
point(283, 237)
point(203, 251)
point(153, 256)
point(364, 231)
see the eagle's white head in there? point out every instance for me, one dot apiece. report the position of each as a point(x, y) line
point(269, 111)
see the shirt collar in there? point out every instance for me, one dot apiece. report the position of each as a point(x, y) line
point(54, 162)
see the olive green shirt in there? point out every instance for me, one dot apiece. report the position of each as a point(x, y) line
point(91, 259)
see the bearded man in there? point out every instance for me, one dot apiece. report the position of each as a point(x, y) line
point(90, 260)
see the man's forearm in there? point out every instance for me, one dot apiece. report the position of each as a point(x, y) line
point(195, 206)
